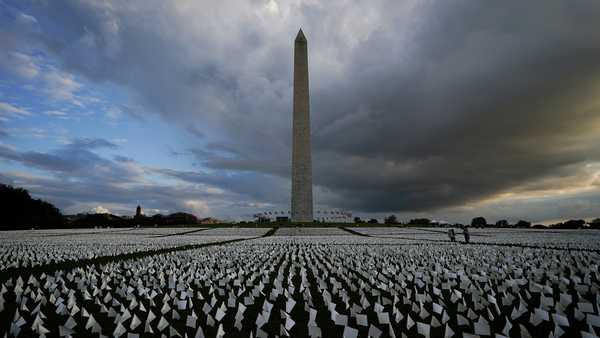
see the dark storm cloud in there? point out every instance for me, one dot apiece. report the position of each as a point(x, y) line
point(480, 105)
point(415, 105)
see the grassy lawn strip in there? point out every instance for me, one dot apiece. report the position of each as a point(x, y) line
point(180, 233)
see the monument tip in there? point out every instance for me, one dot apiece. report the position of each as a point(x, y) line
point(300, 37)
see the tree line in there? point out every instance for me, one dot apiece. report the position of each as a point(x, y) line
point(20, 211)
point(481, 222)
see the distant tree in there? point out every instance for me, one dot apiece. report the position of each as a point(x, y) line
point(539, 226)
point(570, 224)
point(478, 222)
point(263, 219)
point(180, 218)
point(575, 224)
point(595, 224)
point(523, 224)
point(420, 221)
point(391, 219)
point(100, 221)
point(502, 223)
point(110, 220)
point(20, 211)
point(358, 220)
point(157, 219)
point(140, 220)
point(373, 221)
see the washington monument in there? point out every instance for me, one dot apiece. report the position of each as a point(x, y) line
point(302, 198)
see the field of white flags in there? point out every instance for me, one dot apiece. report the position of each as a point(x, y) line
point(299, 282)
point(20, 249)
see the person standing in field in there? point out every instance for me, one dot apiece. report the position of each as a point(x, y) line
point(452, 235)
point(467, 235)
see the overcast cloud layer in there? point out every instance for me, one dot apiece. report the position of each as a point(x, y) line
point(450, 109)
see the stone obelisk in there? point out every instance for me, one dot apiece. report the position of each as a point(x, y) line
point(302, 203)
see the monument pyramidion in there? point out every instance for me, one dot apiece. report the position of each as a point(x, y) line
point(302, 198)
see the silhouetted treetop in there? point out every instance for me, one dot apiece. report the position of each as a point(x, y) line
point(19, 211)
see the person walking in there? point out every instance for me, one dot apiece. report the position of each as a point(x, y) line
point(452, 235)
point(467, 235)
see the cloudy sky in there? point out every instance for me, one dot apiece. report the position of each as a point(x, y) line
point(445, 109)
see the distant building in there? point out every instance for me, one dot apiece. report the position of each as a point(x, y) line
point(138, 211)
